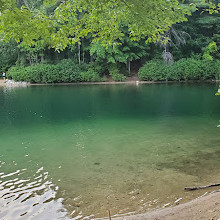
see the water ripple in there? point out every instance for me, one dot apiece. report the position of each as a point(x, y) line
point(29, 197)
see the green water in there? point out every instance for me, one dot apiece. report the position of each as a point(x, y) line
point(75, 152)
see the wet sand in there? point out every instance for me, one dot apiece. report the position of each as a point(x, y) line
point(203, 208)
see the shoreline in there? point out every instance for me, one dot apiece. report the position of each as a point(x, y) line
point(2, 82)
point(128, 82)
point(205, 207)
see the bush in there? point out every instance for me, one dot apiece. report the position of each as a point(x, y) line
point(210, 69)
point(217, 75)
point(153, 71)
point(115, 74)
point(18, 73)
point(65, 71)
point(90, 76)
point(184, 69)
point(99, 67)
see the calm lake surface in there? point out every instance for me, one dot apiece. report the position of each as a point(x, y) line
point(75, 152)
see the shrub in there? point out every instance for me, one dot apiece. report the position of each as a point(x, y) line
point(99, 67)
point(210, 69)
point(90, 76)
point(192, 69)
point(184, 69)
point(18, 73)
point(64, 71)
point(115, 74)
point(153, 71)
point(217, 75)
point(118, 77)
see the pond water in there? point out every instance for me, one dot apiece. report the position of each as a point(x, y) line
point(75, 152)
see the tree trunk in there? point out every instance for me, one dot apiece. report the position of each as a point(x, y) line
point(129, 66)
point(91, 59)
point(79, 53)
point(42, 59)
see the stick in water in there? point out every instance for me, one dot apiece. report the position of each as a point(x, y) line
point(201, 187)
point(109, 215)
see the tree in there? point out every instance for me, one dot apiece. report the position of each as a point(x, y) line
point(8, 54)
point(124, 52)
point(73, 20)
point(203, 28)
point(80, 26)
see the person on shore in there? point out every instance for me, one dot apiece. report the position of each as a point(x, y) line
point(4, 75)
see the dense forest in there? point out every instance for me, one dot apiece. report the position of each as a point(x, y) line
point(77, 41)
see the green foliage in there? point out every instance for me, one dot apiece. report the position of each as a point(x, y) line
point(115, 74)
point(125, 50)
point(203, 29)
point(63, 23)
point(184, 69)
point(23, 25)
point(99, 67)
point(210, 50)
point(188, 69)
point(153, 71)
point(118, 77)
point(217, 65)
point(65, 71)
point(111, 33)
point(90, 76)
point(8, 54)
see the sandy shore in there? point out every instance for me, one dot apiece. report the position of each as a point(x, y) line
point(203, 208)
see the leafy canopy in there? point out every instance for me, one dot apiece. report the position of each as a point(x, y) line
point(59, 24)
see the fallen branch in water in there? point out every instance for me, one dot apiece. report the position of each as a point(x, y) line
point(201, 187)
point(109, 215)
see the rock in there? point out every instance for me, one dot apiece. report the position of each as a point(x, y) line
point(12, 83)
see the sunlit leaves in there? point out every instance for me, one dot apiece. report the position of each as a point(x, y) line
point(22, 25)
point(60, 24)
point(210, 50)
point(6, 4)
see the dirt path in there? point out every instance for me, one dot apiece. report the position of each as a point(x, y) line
point(204, 208)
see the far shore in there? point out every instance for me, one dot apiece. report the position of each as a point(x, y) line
point(129, 81)
point(202, 208)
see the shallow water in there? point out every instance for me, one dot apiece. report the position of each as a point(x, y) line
point(75, 152)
